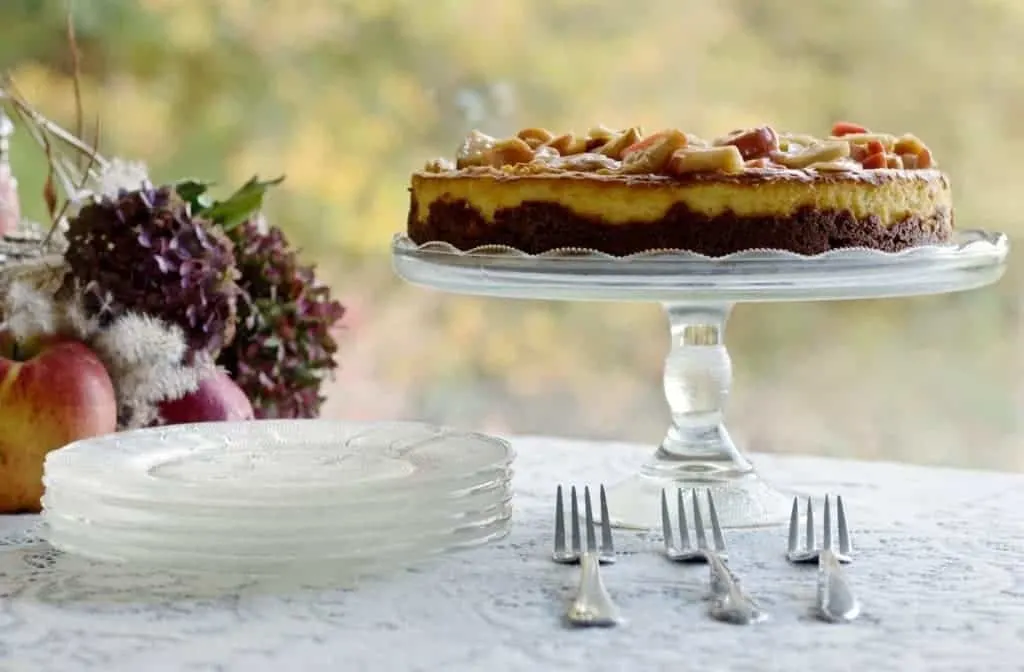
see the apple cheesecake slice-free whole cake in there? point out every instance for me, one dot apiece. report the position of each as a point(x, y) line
point(621, 192)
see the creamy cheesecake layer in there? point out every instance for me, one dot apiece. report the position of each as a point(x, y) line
point(886, 197)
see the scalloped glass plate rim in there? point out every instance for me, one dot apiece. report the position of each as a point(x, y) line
point(139, 501)
point(445, 540)
point(313, 572)
point(500, 516)
point(968, 242)
point(79, 460)
point(79, 454)
point(404, 527)
point(229, 521)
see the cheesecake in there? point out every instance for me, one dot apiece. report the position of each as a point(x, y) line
point(622, 192)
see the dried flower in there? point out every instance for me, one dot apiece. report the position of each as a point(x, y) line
point(27, 312)
point(284, 348)
point(144, 357)
point(145, 252)
point(121, 175)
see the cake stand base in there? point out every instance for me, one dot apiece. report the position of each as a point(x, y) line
point(634, 504)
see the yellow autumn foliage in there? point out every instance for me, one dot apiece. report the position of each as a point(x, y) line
point(346, 97)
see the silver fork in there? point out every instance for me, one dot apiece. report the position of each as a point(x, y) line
point(836, 601)
point(728, 601)
point(592, 605)
point(810, 552)
point(685, 551)
point(571, 555)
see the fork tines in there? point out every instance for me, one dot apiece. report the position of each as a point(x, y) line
point(587, 541)
point(685, 550)
point(810, 549)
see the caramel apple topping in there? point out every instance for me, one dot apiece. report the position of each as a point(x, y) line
point(757, 143)
point(820, 152)
point(849, 147)
point(535, 137)
point(476, 150)
point(568, 144)
point(726, 159)
point(651, 155)
point(616, 144)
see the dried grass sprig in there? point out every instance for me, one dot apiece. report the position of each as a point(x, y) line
point(72, 174)
point(76, 70)
point(62, 172)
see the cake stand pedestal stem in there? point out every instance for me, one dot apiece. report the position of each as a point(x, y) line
point(697, 378)
point(697, 451)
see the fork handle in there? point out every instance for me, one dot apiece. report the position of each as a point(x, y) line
point(836, 600)
point(728, 601)
point(592, 605)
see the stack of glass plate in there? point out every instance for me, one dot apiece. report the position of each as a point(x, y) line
point(272, 496)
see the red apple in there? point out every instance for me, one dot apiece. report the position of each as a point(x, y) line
point(217, 399)
point(53, 392)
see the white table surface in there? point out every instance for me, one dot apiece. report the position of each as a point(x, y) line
point(940, 570)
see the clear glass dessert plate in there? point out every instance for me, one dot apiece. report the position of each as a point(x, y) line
point(392, 551)
point(697, 294)
point(424, 512)
point(313, 462)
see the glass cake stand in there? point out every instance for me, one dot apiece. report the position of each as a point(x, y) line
point(697, 294)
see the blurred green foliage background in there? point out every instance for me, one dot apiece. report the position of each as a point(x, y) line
point(346, 97)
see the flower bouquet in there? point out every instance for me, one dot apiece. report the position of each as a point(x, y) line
point(144, 303)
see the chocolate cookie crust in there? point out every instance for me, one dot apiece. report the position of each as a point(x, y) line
point(537, 226)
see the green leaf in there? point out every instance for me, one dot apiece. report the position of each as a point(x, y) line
point(194, 193)
point(241, 205)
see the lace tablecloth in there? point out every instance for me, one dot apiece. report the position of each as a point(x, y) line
point(940, 570)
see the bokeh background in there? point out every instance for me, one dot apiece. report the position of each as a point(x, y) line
point(346, 97)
